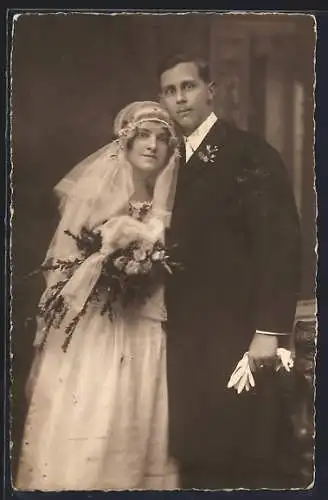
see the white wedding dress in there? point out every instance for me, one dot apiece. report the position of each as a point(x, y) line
point(98, 415)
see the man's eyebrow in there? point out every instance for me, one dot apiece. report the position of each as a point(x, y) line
point(170, 85)
point(188, 80)
point(184, 82)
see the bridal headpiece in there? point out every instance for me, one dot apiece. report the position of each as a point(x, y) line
point(136, 113)
point(101, 185)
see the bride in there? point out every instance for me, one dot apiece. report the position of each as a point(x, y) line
point(98, 415)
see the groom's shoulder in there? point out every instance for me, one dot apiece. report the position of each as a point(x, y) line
point(246, 140)
point(244, 136)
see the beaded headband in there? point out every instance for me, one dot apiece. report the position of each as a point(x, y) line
point(129, 130)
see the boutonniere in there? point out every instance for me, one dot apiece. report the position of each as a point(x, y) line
point(209, 155)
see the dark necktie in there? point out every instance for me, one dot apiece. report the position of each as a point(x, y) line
point(182, 151)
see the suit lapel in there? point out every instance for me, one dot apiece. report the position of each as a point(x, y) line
point(197, 169)
point(197, 164)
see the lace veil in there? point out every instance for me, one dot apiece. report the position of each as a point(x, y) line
point(101, 185)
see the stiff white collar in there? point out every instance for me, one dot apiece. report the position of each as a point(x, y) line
point(194, 140)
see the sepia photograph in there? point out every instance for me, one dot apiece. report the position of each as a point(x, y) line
point(163, 251)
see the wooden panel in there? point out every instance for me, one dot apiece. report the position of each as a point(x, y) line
point(298, 131)
point(230, 69)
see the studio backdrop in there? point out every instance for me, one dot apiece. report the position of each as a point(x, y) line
point(71, 74)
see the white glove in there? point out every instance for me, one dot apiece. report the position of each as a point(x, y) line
point(242, 377)
point(285, 358)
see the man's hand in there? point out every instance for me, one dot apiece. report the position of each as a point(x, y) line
point(262, 351)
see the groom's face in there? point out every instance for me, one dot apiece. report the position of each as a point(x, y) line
point(186, 96)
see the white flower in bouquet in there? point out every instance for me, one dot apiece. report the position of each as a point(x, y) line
point(146, 246)
point(158, 255)
point(120, 263)
point(139, 254)
point(132, 267)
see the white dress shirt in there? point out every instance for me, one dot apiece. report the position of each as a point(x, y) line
point(194, 140)
point(192, 143)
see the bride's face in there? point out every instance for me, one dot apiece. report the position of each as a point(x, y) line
point(148, 150)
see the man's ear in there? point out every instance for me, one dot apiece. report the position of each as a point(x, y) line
point(211, 90)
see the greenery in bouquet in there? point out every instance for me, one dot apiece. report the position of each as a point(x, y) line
point(129, 276)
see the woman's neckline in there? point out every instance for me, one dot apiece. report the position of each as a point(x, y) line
point(140, 202)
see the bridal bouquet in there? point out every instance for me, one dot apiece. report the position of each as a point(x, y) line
point(114, 277)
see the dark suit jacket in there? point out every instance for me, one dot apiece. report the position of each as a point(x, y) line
point(236, 228)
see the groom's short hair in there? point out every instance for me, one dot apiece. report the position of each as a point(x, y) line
point(173, 60)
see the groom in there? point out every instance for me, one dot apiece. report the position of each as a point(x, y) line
point(236, 230)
